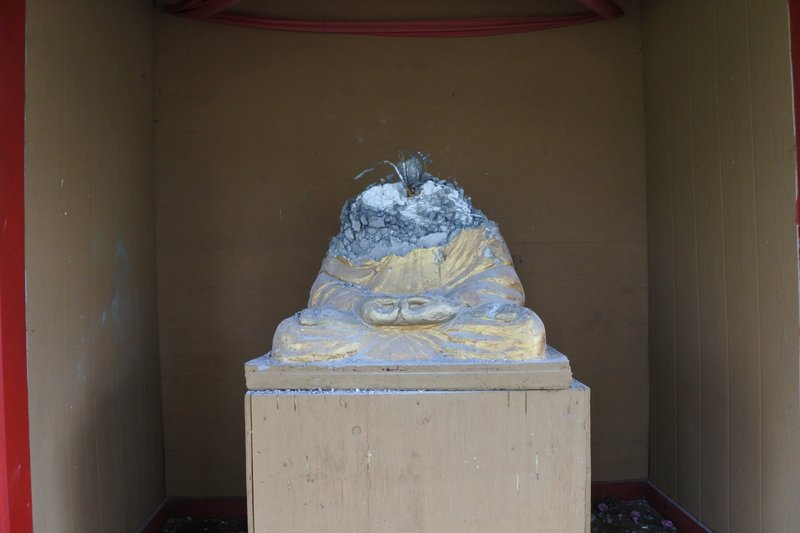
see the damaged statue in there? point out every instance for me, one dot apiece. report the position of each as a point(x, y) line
point(415, 273)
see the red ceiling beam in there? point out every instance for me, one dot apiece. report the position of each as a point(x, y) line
point(605, 8)
point(216, 11)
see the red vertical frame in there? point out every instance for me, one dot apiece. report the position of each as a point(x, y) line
point(794, 24)
point(15, 467)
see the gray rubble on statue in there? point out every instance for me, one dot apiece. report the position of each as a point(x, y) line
point(419, 211)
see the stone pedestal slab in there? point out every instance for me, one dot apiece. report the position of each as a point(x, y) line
point(418, 461)
point(549, 372)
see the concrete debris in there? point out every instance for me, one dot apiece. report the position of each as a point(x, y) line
point(419, 211)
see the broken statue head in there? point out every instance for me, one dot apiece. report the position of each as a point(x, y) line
point(415, 273)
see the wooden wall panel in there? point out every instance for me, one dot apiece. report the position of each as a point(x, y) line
point(687, 356)
point(741, 234)
point(259, 133)
point(713, 324)
point(774, 161)
point(662, 266)
point(96, 444)
point(651, 85)
point(734, 248)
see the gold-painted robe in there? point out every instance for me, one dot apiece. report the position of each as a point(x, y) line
point(474, 271)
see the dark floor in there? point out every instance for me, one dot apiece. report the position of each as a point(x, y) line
point(608, 516)
point(613, 516)
point(188, 525)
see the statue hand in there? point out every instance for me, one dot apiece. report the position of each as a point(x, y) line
point(379, 311)
point(425, 310)
point(500, 312)
point(407, 310)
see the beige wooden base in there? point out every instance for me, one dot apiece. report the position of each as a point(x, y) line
point(438, 462)
point(551, 372)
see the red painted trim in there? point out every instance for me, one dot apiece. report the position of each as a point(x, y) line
point(668, 508)
point(645, 490)
point(794, 25)
point(410, 28)
point(605, 8)
point(215, 11)
point(156, 520)
point(15, 466)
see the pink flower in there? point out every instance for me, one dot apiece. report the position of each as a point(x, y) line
point(666, 523)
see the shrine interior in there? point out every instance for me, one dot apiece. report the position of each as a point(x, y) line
point(183, 179)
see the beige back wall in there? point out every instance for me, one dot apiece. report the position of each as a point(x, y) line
point(725, 420)
point(259, 134)
point(95, 409)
